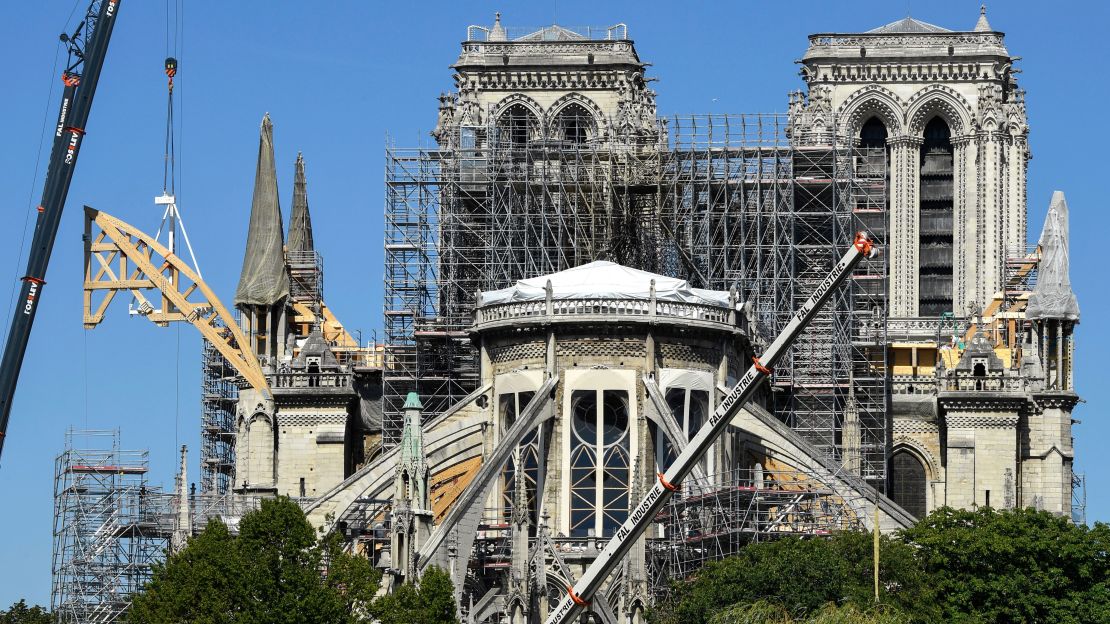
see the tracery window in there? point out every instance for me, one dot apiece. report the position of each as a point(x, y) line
point(525, 462)
point(907, 483)
point(599, 461)
point(574, 124)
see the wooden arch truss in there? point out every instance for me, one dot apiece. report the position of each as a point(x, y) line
point(119, 257)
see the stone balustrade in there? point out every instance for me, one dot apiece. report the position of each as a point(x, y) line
point(637, 309)
point(310, 380)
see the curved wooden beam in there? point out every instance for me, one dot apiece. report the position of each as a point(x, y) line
point(119, 257)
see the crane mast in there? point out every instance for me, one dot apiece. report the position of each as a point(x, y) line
point(88, 46)
point(641, 516)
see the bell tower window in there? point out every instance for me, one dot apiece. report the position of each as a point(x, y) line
point(935, 220)
point(574, 124)
point(516, 127)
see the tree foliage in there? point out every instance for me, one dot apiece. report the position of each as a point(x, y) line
point(432, 602)
point(805, 574)
point(20, 613)
point(982, 566)
point(1014, 566)
point(763, 612)
point(268, 574)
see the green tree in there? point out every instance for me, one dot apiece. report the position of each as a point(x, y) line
point(268, 574)
point(432, 602)
point(20, 613)
point(203, 583)
point(805, 574)
point(283, 578)
point(352, 577)
point(763, 612)
point(1014, 566)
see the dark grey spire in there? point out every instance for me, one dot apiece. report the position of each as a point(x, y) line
point(300, 222)
point(264, 281)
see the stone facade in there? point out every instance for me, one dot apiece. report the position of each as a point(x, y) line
point(298, 442)
point(904, 75)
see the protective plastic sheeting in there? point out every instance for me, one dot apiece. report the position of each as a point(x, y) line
point(603, 279)
point(1053, 297)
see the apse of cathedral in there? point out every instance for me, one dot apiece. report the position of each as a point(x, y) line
point(573, 284)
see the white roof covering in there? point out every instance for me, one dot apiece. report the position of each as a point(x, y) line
point(602, 279)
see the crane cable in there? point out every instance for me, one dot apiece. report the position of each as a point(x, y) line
point(169, 183)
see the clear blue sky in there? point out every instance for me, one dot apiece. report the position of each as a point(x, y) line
point(337, 78)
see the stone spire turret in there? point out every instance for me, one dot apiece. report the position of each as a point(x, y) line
point(300, 222)
point(263, 281)
point(1052, 296)
point(412, 513)
point(412, 468)
point(983, 25)
point(497, 33)
point(182, 526)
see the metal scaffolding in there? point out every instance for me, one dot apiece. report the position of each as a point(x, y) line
point(219, 394)
point(714, 518)
point(109, 527)
point(721, 201)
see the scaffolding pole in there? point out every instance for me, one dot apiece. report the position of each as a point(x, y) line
point(109, 528)
point(722, 201)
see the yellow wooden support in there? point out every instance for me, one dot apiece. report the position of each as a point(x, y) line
point(119, 257)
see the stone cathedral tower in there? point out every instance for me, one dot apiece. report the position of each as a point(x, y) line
point(947, 106)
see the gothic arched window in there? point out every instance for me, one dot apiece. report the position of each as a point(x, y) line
point(526, 461)
point(689, 409)
point(935, 194)
point(874, 162)
point(907, 483)
point(517, 125)
point(574, 124)
point(599, 462)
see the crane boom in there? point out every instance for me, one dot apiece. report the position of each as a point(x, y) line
point(642, 514)
point(87, 49)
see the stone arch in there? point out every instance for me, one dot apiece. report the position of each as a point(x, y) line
point(600, 120)
point(904, 445)
point(575, 98)
point(523, 126)
point(904, 442)
point(939, 101)
point(872, 101)
point(517, 98)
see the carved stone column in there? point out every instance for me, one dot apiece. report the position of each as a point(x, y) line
point(963, 191)
point(1018, 164)
point(905, 152)
point(989, 218)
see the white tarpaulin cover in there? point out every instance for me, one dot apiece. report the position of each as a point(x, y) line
point(602, 279)
point(1052, 296)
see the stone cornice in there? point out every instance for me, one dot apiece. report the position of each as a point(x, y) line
point(908, 71)
point(547, 78)
point(983, 401)
point(1049, 400)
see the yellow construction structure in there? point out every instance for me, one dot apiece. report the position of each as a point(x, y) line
point(119, 257)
